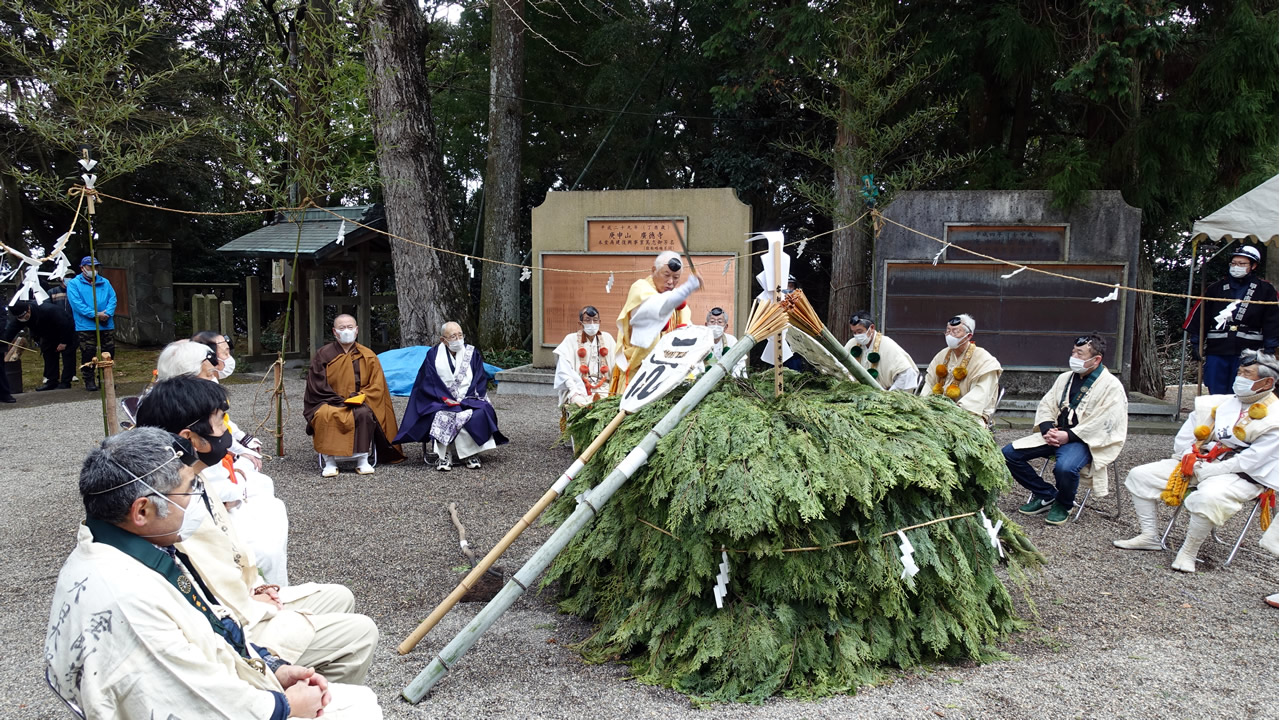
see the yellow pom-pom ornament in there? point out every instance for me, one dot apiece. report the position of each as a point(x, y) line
point(959, 373)
point(937, 388)
point(1238, 432)
point(940, 370)
point(1257, 411)
point(953, 392)
point(1203, 431)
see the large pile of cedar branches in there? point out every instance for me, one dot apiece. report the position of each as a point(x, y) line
point(804, 494)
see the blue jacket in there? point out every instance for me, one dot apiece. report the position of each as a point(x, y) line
point(80, 295)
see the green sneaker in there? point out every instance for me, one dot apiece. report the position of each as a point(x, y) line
point(1036, 506)
point(1058, 514)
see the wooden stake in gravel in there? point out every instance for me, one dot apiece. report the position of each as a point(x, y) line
point(805, 318)
point(765, 320)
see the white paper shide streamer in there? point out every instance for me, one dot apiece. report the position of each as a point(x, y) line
point(525, 274)
point(993, 532)
point(721, 590)
point(608, 286)
point(1109, 297)
point(342, 233)
point(1220, 320)
point(471, 269)
point(909, 568)
point(1015, 272)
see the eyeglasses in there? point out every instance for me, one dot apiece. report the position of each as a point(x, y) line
point(197, 488)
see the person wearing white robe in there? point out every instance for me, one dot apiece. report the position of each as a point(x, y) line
point(885, 359)
point(718, 323)
point(1082, 422)
point(963, 372)
point(132, 635)
point(584, 358)
point(1227, 449)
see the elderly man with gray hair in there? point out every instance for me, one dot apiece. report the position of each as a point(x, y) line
point(449, 404)
point(964, 373)
point(132, 630)
point(655, 305)
point(1226, 449)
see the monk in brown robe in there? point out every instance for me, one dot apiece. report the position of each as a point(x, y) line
point(347, 405)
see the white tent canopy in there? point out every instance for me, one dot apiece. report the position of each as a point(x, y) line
point(1255, 213)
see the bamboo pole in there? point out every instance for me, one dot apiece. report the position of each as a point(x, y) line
point(806, 319)
point(279, 393)
point(524, 523)
point(766, 320)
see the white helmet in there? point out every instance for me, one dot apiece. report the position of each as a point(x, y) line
point(1248, 251)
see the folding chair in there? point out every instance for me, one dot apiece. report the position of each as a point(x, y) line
point(75, 709)
point(991, 421)
point(1253, 514)
point(1082, 500)
point(373, 457)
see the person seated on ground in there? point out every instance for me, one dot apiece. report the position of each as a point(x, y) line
point(963, 372)
point(133, 632)
point(654, 307)
point(237, 480)
point(584, 361)
point(221, 344)
point(449, 405)
point(347, 404)
point(1227, 449)
point(312, 623)
point(718, 322)
point(51, 327)
point(1083, 421)
point(885, 359)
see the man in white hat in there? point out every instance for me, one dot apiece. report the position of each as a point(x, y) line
point(1234, 323)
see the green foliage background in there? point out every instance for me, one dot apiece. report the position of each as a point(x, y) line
point(827, 462)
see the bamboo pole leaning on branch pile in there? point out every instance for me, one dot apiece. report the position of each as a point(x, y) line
point(765, 320)
point(805, 318)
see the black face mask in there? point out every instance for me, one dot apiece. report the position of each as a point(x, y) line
point(217, 451)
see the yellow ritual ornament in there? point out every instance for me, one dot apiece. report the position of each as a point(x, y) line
point(1257, 411)
point(1203, 432)
point(940, 370)
point(937, 389)
point(953, 392)
point(1238, 431)
point(959, 373)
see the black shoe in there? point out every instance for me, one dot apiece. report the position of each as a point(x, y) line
point(8, 399)
point(47, 386)
point(64, 386)
point(90, 386)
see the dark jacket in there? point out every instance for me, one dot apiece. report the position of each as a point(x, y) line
point(1250, 327)
point(50, 325)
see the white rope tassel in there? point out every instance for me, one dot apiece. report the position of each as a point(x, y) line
point(721, 590)
point(993, 532)
point(909, 568)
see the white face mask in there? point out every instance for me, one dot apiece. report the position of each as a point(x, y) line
point(1076, 364)
point(346, 336)
point(190, 520)
point(90, 274)
point(717, 331)
point(1238, 271)
point(228, 367)
point(591, 329)
point(953, 342)
point(863, 339)
point(455, 346)
point(1243, 387)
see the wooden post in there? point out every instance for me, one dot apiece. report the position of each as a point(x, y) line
point(109, 388)
point(226, 319)
point(253, 315)
point(364, 293)
point(315, 310)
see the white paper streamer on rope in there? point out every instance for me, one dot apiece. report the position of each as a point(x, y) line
point(728, 265)
point(342, 233)
point(1113, 295)
point(525, 274)
point(909, 568)
point(1015, 272)
point(608, 285)
point(993, 532)
point(721, 590)
point(800, 247)
point(87, 164)
point(1220, 320)
point(471, 269)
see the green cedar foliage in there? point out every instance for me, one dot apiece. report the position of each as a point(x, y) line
point(827, 462)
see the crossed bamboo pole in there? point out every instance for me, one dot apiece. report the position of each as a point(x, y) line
point(805, 318)
point(765, 320)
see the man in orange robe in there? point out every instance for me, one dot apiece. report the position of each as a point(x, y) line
point(347, 405)
point(654, 307)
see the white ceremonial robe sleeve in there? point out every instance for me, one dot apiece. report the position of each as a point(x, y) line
point(568, 381)
point(906, 380)
point(980, 394)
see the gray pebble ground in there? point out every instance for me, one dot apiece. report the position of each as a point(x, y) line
point(1114, 634)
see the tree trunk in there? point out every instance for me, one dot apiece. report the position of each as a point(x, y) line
point(850, 246)
point(1146, 375)
point(500, 325)
point(430, 285)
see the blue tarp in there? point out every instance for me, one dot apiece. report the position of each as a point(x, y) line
point(402, 364)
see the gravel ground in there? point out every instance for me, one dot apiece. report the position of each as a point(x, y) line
point(1112, 634)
